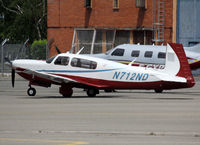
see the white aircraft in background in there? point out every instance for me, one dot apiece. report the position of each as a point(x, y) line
point(94, 74)
point(152, 56)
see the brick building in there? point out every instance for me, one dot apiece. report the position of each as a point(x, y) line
point(99, 25)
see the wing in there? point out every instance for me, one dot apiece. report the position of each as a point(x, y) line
point(49, 76)
point(63, 78)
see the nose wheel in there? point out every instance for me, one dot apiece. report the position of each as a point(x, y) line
point(31, 91)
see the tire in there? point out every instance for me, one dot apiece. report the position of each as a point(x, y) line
point(158, 90)
point(68, 95)
point(91, 92)
point(31, 91)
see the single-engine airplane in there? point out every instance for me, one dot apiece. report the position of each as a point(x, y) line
point(94, 74)
point(152, 56)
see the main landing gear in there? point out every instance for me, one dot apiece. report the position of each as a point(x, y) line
point(158, 90)
point(66, 91)
point(31, 91)
point(92, 92)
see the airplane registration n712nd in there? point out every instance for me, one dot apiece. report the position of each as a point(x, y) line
point(94, 74)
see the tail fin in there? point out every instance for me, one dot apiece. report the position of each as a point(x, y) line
point(195, 48)
point(178, 64)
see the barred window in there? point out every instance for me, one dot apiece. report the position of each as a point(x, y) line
point(115, 4)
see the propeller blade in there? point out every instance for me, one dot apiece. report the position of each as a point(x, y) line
point(13, 78)
point(8, 60)
point(57, 49)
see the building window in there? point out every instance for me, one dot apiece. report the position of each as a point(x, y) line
point(101, 40)
point(88, 3)
point(140, 3)
point(115, 4)
point(118, 52)
point(93, 40)
point(148, 54)
point(161, 55)
point(135, 53)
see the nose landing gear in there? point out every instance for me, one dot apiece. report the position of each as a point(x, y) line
point(31, 91)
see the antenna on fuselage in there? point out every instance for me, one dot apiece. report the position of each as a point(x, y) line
point(130, 64)
point(80, 51)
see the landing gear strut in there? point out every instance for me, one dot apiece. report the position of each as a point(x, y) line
point(31, 91)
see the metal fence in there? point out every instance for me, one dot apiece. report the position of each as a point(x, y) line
point(12, 52)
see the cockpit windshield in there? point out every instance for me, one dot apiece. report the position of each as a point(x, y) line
point(50, 59)
point(107, 52)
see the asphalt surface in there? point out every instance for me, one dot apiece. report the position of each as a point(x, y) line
point(131, 117)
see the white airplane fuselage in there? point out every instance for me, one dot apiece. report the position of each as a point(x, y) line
point(72, 70)
point(152, 56)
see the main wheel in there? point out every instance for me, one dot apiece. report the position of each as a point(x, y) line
point(31, 91)
point(66, 91)
point(91, 92)
point(158, 90)
point(67, 95)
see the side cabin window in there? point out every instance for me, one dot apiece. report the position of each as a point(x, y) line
point(162, 55)
point(83, 63)
point(135, 53)
point(148, 54)
point(62, 60)
point(118, 52)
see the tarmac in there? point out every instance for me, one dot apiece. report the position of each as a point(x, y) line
point(128, 117)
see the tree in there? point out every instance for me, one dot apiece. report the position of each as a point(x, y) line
point(23, 19)
point(38, 49)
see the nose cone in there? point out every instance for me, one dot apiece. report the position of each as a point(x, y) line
point(18, 64)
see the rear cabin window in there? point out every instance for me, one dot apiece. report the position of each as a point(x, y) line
point(62, 60)
point(148, 54)
point(83, 63)
point(162, 55)
point(118, 52)
point(135, 53)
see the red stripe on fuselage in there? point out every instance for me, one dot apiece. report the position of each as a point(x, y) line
point(101, 84)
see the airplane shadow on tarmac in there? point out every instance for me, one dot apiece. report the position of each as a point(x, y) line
point(126, 95)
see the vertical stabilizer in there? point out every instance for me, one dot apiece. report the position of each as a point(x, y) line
point(177, 64)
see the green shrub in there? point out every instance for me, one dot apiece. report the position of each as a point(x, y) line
point(38, 49)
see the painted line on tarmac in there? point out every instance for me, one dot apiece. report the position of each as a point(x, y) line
point(57, 142)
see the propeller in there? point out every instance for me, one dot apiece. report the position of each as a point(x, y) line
point(57, 49)
point(12, 72)
point(13, 77)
